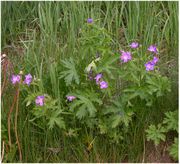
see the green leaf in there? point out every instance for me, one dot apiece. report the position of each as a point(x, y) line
point(171, 120)
point(138, 91)
point(118, 115)
point(82, 112)
point(135, 77)
point(115, 121)
point(158, 84)
point(85, 103)
point(70, 74)
point(55, 119)
point(103, 127)
point(173, 150)
point(28, 103)
point(156, 134)
point(107, 64)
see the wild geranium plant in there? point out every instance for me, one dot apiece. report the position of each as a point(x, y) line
point(43, 105)
point(94, 96)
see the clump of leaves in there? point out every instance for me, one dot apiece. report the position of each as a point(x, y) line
point(118, 115)
point(157, 134)
point(95, 55)
point(173, 149)
point(171, 120)
point(84, 105)
point(50, 111)
point(49, 114)
point(115, 118)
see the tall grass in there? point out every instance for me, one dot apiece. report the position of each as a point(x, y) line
point(48, 32)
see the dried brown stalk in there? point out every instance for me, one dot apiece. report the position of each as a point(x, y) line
point(2, 156)
point(4, 77)
point(7, 69)
point(15, 128)
point(9, 118)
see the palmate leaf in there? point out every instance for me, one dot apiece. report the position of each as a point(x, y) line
point(82, 111)
point(156, 133)
point(118, 115)
point(107, 64)
point(55, 119)
point(58, 121)
point(85, 103)
point(123, 118)
point(116, 121)
point(138, 91)
point(159, 85)
point(171, 120)
point(70, 74)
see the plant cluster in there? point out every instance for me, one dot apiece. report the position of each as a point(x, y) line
point(96, 97)
point(158, 133)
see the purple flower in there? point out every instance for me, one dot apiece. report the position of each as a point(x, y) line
point(126, 56)
point(89, 20)
point(28, 79)
point(149, 66)
point(152, 48)
point(134, 45)
point(39, 100)
point(70, 98)
point(155, 60)
point(15, 79)
point(98, 77)
point(103, 84)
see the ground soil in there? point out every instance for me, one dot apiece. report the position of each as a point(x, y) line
point(158, 154)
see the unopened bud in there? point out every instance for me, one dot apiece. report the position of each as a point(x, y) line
point(21, 72)
point(3, 55)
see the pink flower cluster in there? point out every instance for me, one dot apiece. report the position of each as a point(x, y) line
point(103, 84)
point(40, 100)
point(126, 56)
point(17, 79)
point(150, 65)
point(70, 98)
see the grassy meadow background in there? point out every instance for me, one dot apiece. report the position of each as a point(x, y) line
point(37, 36)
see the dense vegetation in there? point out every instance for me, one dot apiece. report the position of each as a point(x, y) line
point(88, 94)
